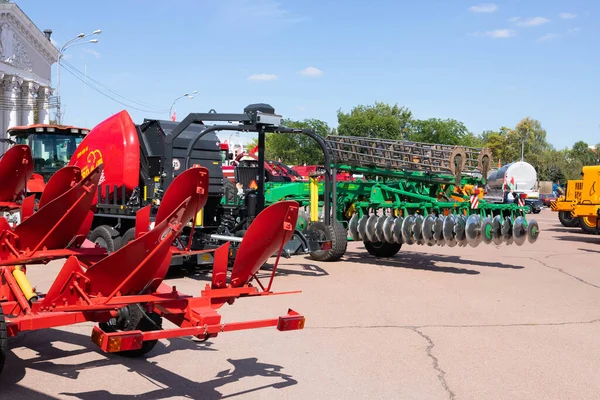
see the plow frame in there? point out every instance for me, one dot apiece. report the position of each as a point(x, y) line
point(132, 276)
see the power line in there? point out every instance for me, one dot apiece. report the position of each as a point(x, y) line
point(89, 78)
point(67, 68)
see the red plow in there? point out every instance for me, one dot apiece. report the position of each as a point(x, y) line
point(124, 292)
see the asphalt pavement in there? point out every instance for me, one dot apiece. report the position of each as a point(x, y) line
point(492, 322)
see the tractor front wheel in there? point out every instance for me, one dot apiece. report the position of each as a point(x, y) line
point(3, 339)
point(106, 237)
point(588, 225)
point(128, 236)
point(567, 220)
point(382, 249)
point(336, 234)
point(230, 191)
point(135, 319)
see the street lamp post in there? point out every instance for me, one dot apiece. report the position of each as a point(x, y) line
point(188, 95)
point(70, 43)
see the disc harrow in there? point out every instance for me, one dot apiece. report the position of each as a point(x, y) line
point(443, 230)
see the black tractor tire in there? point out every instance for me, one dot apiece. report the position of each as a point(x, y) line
point(567, 220)
point(339, 240)
point(3, 339)
point(138, 321)
point(229, 191)
point(382, 249)
point(106, 237)
point(128, 236)
point(588, 225)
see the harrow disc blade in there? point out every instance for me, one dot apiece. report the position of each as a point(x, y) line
point(397, 230)
point(497, 230)
point(448, 230)
point(519, 231)
point(487, 230)
point(533, 231)
point(459, 230)
point(388, 226)
point(370, 228)
point(353, 227)
point(473, 230)
point(362, 227)
point(428, 224)
point(507, 230)
point(379, 234)
point(408, 225)
point(438, 230)
point(418, 230)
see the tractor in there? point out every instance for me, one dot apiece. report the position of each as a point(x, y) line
point(51, 147)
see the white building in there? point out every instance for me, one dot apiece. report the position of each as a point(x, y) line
point(26, 58)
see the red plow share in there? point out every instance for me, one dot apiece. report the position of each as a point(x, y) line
point(124, 292)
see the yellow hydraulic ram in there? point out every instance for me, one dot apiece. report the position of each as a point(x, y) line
point(314, 198)
point(24, 284)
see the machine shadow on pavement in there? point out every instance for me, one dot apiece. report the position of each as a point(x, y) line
point(283, 269)
point(592, 239)
point(427, 262)
point(172, 385)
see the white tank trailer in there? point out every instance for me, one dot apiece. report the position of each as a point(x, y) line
point(519, 176)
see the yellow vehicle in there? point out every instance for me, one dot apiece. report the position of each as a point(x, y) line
point(582, 201)
point(564, 204)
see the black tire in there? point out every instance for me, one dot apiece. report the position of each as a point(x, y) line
point(106, 237)
point(587, 227)
point(382, 249)
point(138, 320)
point(229, 191)
point(3, 339)
point(567, 220)
point(128, 236)
point(339, 240)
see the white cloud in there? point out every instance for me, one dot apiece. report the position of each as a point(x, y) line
point(311, 71)
point(92, 52)
point(534, 21)
point(514, 19)
point(301, 108)
point(574, 30)
point(483, 8)
point(501, 33)
point(262, 77)
point(567, 15)
point(67, 57)
point(548, 36)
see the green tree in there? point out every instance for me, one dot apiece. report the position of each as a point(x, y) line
point(442, 131)
point(380, 120)
point(496, 142)
point(295, 149)
point(582, 152)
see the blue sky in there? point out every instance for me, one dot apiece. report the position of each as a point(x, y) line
point(486, 64)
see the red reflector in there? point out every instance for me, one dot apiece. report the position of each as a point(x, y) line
point(290, 323)
point(326, 245)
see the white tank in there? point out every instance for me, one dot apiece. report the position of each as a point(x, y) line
point(520, 173)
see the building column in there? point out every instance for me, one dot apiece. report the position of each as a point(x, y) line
point(10, 85)
point(27, 103)
point(43, 105)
